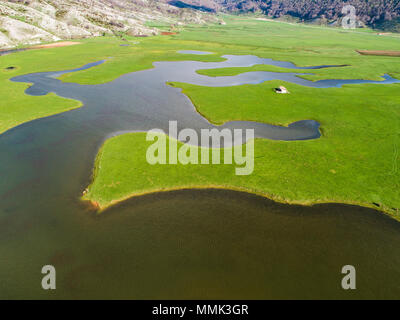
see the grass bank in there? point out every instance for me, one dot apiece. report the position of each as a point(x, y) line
point(356, 160)
point(279, 174)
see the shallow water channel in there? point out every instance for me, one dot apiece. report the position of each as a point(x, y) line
point(183, 244)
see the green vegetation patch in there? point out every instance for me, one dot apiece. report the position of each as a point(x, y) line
point(355, 161)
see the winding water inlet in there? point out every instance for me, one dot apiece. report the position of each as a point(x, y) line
point(145, 101)
point(45, 165)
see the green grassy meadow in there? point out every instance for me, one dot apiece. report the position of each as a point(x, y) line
point(355, 161)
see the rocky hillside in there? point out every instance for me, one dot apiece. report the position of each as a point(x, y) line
point(26, 22)
point(370, 12)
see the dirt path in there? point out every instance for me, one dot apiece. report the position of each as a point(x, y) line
point(55, 45)
point(379, 53)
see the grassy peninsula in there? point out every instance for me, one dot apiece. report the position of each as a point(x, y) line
point(356, 159)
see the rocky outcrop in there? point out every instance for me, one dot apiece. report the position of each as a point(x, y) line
point(26, 22)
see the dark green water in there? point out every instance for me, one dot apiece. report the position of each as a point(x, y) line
point(203, 244)
point(186, 244)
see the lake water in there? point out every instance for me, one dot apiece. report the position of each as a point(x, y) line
point(184, 244)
